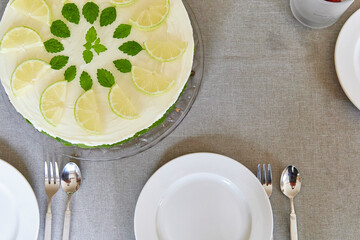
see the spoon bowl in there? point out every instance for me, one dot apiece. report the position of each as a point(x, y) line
point(70, 178)
point(290, 182)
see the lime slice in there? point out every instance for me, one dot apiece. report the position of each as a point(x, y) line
point(87, 112)
point(122, 3)
point(150, 82)
point(120, 104)
point(151, 17)
point(26, 74)
point(165, 51)
point(19, 38)
point(52, 102)
point(37, 9)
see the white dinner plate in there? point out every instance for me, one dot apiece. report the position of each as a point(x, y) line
point(19, 210)
point(347, 58)
point(203, 196)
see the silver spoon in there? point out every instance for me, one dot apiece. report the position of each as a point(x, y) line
point(70, 183)
point(290, 184)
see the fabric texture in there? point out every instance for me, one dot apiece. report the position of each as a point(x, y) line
point(270, 94)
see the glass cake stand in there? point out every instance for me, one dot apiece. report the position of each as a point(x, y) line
point(136, 145)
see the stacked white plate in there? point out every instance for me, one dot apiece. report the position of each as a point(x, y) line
point(19, 211)
point(347, 58)
point(203, 196)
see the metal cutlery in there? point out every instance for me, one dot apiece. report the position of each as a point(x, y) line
point(265, 178)
point(70, 183)
point(52, 184)
point(290, 185)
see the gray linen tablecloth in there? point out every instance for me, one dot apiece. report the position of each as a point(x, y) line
point(270, 94)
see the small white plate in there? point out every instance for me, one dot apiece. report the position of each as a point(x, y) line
point(203, 196)
point(19, 218)
point(347, 58)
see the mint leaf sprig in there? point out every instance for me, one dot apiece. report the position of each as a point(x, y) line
point(91, 35)
point(58, 62)
point(122, 31)
point(99, 48)
point(107, 16)
point(53, 46)
point(70, 73)
point(71, 12)
point(85, 81)
point(123, 65)
point(105, 78)
point(59, 29)
point(92, 42)
point(131, 48)
point(88, 56)
point(90, 12)
point(88, 46)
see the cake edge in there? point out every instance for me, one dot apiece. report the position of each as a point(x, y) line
point(108, 146)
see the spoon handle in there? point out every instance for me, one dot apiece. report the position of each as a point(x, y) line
point(66, 229)
point(293, 222)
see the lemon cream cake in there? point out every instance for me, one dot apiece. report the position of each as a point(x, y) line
point(95, 73)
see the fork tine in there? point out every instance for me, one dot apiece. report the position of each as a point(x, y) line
point(46, 173)
point(269, 176)
point(259, 172)
point(264, 173)
point(51, 173)
point(57, 178)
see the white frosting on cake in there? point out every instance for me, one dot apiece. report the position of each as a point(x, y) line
point(177, 25)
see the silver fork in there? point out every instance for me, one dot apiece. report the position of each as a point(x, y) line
point(265, 178)
point(266, 181)
point(52, 185)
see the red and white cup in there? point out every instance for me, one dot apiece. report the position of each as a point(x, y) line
point(319, 13)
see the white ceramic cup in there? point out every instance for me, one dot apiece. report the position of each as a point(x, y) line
point(318, 13)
